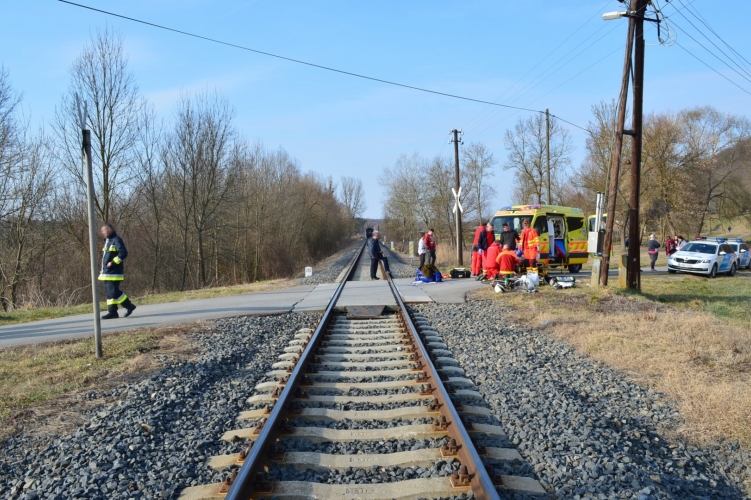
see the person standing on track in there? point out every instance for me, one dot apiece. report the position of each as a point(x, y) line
point(376, 254)
point(476, 254)
point(530, 241)
point(114, 253)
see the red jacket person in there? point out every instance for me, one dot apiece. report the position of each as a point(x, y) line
point(476, 256)
point(507, 261)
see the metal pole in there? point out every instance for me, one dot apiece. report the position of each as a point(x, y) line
point(547, 152)
point(459, 253)
point(92, 240)
point(616, 160)
point(633, 270)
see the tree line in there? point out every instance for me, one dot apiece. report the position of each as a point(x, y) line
point(696, 172)
point(197, 203)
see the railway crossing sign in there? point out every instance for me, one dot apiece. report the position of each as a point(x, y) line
point(457, 203)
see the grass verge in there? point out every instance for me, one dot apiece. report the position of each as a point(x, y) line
point(40, 313)
point(37, 381)
point(686, 337)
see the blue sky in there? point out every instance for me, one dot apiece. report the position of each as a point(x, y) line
point(338, 125)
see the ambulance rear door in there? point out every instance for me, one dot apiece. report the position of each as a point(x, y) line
point(558, 238)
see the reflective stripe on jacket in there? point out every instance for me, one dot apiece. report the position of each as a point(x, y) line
point(529, 242)
point(114, 251)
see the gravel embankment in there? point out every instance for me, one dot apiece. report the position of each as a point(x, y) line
point(327, 271)
point(588, 432)
point(156, 439)
point(400, 267)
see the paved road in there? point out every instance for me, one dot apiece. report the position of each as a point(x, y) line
point(297, 298)
point(172, 313)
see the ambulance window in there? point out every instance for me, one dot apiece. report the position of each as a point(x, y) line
point(541, 224)
point(575, 223)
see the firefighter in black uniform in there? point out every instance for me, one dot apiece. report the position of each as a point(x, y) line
point(114, 253)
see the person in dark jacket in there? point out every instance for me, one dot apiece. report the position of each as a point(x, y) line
point(114, 253)
point(653, 249)
point(376, 254)
point(509, 237)
point(486, 238)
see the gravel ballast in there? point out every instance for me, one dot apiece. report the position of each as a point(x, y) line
point(587, 430)
point(155, 440)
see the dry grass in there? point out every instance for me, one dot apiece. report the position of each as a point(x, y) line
point(39, 383)
point(701, 361)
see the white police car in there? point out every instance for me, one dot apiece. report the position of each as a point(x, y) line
point(705, 256)
point(742, 251)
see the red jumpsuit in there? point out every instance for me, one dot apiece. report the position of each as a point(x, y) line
point(507, 261)
point(529, 242)
point(489, 263)
point(476, 257)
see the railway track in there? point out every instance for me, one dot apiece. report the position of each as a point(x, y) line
point(374, 395)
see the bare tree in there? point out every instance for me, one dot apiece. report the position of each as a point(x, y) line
point(352, 196)
point(9, 140)
point(101, 77)
point(150, 188)
point(198, 164)
point(477, 172)
point(526, 146)
point(713, 156)
point(32, 186)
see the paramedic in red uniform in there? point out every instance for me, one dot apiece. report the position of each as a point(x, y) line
point(489, 264)
point(529, 243)
point(507, 261)
point(476, 257)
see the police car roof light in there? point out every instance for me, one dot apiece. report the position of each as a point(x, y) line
point(720, 240)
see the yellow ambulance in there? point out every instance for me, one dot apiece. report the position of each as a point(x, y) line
point(562, 232)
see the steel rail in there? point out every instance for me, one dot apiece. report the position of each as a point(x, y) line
point(244, 483)
point(480, 481)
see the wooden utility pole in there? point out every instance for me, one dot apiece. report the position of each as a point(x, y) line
point(633, 268)
point(547, 152)
point(457, 192)
point(615, 167)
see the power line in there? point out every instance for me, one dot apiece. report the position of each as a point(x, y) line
point(298, 61)
point(548, 92)
point(541, 77)
point(558, 46)
point(710, 67)
point(698, 16)
point(712, 53)
point(710, 41)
